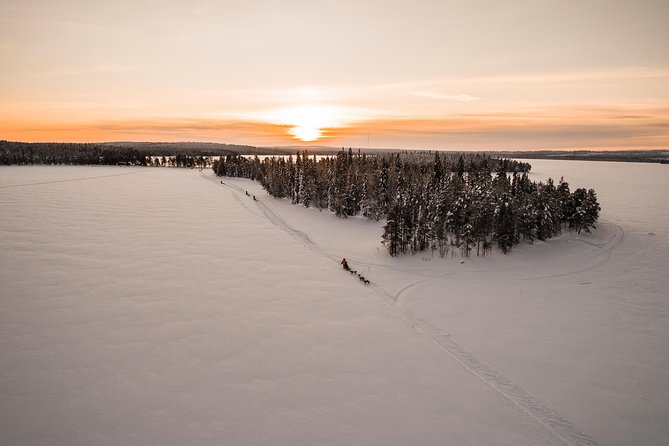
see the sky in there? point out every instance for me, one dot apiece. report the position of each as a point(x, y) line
point(454, 75)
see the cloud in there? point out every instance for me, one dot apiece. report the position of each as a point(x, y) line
point(202, 9)
point(535, 129)
point(631, 73)
point(547, 128)
point(159, 129)
point(67, 105)
point(39, 20)
point(82, 71)
point(448, 97)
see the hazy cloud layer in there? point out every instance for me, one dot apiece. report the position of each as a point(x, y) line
point(537, 129)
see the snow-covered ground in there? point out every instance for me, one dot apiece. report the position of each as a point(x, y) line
point(158, 306)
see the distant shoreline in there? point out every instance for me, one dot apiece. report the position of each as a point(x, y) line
point(220, 149)
point(626, 156)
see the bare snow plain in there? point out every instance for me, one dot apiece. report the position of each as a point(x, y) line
point(145, 306)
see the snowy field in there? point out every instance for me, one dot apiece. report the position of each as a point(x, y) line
point(149, 306)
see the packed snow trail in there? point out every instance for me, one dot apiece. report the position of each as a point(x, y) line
point(548, 419)
point(561, 428)
point(275, 219)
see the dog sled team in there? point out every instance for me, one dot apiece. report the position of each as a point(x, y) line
point(344, 264)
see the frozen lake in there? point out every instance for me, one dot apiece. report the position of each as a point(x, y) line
point(144, 306)
point(633, 194)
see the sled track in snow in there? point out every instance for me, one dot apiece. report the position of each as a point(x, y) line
point(275, 219)
point(548, 419)
point(397, 295)
point(606, 253)
point(72, 179)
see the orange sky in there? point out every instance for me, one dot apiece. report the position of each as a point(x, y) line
point(404, 74)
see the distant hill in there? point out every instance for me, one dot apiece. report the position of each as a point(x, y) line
point(197, 148)
point(630, 156)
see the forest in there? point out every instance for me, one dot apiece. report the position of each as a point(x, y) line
point(183, 154)
point(446, 203)
point(98, 154)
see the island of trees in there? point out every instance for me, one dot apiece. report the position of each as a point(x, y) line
point(445, 203)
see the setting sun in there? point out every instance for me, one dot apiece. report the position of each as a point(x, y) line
point(308, 122)
point(306, 133)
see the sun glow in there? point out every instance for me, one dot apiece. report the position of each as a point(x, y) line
point(306, 133)
point(308, 122)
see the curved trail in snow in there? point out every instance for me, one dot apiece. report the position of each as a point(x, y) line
point(606, 253)
point(398, 294)
point(548, 419)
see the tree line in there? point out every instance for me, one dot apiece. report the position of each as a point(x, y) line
point(129, 154)
point(629, 156)
point(444, 203)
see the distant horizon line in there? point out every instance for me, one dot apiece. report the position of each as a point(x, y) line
point(325, 147)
